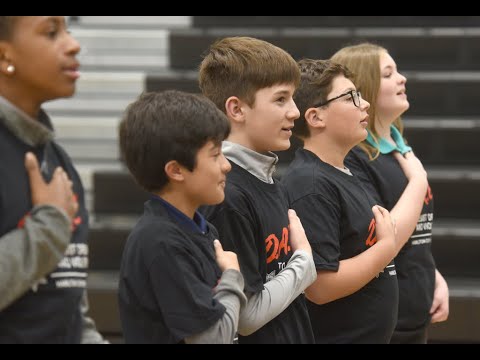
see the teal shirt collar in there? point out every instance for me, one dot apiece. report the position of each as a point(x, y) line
point(386, 147)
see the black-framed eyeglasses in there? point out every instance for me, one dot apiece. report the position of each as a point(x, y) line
point(356, 96)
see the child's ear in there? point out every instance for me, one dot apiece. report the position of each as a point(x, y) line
point(174, 171)
point(233, 108)
point(314, 118)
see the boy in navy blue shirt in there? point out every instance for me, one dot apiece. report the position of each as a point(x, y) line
point(177, 285)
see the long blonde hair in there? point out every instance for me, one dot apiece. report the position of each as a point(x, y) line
point(364, 61)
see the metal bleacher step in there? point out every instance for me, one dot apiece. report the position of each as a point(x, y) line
point(333, 21)
point(125, 43)
point(99, 150)
point(117, 193)
point(86, 169)
point(122, 49)
point(444, 141)
point(455, 247)
point(85, 127)
point(445, 93)
point(455, 191)
point(110, 82)
point(448, 49)
point(108, 234)
point(89, 138)
point(100, 94)
point(135, 22)
point(463, 324)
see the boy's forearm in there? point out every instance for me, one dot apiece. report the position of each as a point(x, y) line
point(278, 293)
point(333, 285)
point(229, 292)
point(30, 253)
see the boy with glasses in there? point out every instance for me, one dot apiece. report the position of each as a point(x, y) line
point(355, 296)
point(355, 96)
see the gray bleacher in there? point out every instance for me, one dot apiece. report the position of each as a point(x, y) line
point(439, 55)
point(117, 52)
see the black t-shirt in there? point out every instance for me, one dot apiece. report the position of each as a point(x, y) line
point(167, 277)
point(384, 178)
point(50, 311)
point(253, 222)
point(336, 213)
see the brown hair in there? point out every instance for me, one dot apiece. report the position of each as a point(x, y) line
point(164, 126)
point(315, 84)
point(240, 66)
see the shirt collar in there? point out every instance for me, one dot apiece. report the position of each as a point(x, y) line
point(260, 165)
point(385, 147)
point(26, 128)
point(197, 225)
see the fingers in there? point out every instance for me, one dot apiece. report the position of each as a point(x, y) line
point(295, 221)
point(399, 157)
point(292, 216)
point(74, 204)
point(33, 170)
point(406, 155)
point(383, 215)
point(65, 179)
point(225, 259)
point(380, 211)
point(60, 179)
point(298, 238)
point(438, 314)
point(441, 315)
point(58, 192)
point(218, 247)
point(435, 305)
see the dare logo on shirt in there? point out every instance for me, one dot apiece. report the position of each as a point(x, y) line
point(429, 196)
point(274, 246)
point(372, 236)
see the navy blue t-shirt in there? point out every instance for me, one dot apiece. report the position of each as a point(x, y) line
point(167, 277)
point(336, 212)
point(385, 180)
point(253, 222)
point(50, 311)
